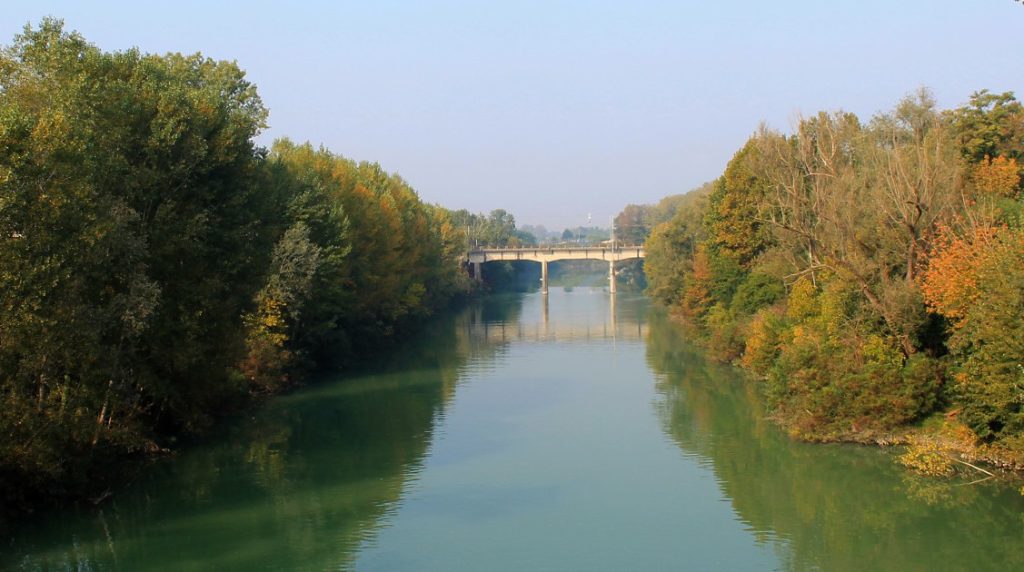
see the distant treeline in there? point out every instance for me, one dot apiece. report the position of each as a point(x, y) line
point(156, 267)
point(498, 230)
point(870, 273)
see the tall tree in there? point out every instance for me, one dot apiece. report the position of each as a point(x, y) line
point(131, 239)
point(734, 229)
point(990, 125)
point(863, 202)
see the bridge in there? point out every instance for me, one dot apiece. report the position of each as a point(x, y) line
point(546, 254)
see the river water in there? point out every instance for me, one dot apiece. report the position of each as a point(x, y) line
point(574, 432)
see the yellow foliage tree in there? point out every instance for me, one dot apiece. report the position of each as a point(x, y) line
point(999, 177)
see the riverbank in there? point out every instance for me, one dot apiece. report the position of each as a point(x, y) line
point(937, 445)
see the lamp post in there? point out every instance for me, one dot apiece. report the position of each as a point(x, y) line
point(611, 220)
point(611, 262)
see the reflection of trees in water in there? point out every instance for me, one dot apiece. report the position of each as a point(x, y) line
point(584, 315)
point(524, 276)
point(511, 275)
point(303, 482)
point(578, 273)
point(828, 507)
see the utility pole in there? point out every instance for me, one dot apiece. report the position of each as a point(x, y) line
point(611, 262)
point(612, 219)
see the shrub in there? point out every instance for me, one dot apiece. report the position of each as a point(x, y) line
point(755, 292)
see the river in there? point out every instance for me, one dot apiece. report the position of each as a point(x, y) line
point(576, 431)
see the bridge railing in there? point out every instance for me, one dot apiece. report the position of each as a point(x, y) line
point(594, 248)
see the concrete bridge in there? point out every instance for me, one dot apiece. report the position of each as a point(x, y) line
point(546, 254)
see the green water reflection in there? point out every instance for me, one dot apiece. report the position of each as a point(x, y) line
point(572, 432)
point(834, 507)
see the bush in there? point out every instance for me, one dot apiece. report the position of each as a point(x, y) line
point(830, 375)
point(755, 292)
point(764, 340)
point(820, 393)
point(725, 334)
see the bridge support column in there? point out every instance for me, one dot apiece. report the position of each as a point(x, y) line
point(477, 274)
point(543, 276)
point(611, 276)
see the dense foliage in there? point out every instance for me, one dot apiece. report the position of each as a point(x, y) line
point(634, 223)
point(156, 266)
point(869, 273)
point(494, 230)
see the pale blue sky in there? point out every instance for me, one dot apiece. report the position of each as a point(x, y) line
point(556, 109)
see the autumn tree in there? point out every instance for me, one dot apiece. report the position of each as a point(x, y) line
point(864, 202)
point(809, 266)
point(734, 229)
point(632, 224)
point(977, 283)
point(670, 252)
point(999, 177)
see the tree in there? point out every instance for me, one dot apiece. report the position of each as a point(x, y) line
point(632, 225)
point(495, 229)
point(734, 229)
point(999, 177)
point(990, 125)
point(132, 237)
point(864, 203)
point(977, 283)
point(156, 267)
point(670, 252)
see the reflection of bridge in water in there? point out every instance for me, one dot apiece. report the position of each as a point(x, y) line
point(544, 255)
point(544, 330)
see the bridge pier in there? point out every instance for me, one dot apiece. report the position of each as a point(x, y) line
point(611, 276)
point(543, 276)
point(477, 272)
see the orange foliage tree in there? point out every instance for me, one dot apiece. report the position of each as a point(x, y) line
point(977, 282)
point(949, 285)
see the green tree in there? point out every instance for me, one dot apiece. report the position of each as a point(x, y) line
point(632, 225)
point(131, 239)
point(990, 125)
point(671, 248)
point(734, 228)
point(156, 266)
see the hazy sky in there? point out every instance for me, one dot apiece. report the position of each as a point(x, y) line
point(556, 109)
